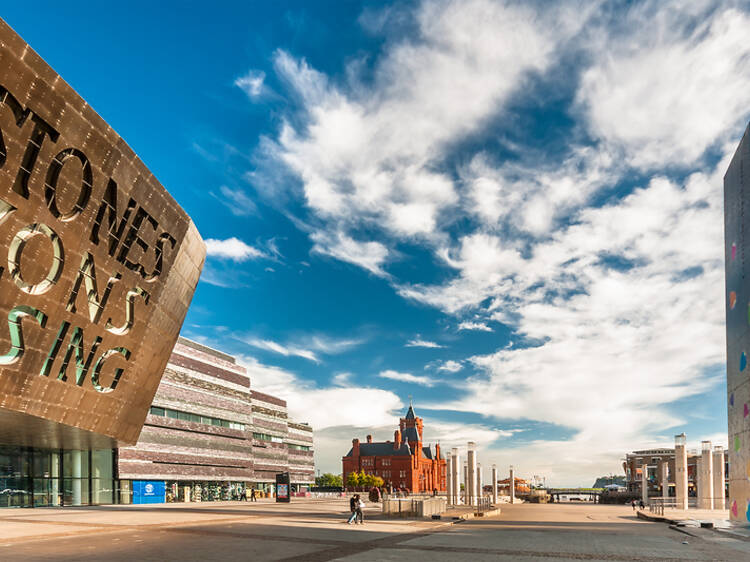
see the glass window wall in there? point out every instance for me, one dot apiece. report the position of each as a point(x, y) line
point(43, 477)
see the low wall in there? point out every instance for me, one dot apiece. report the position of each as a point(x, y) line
point(414, 507)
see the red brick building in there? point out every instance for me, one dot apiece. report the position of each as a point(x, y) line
point(404, 462)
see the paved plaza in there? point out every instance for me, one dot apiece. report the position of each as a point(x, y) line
point(314, 530)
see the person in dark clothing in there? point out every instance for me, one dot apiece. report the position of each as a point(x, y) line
point(252, 495)
point(353, 503)
point(243, 495)
point(633, 502)
point(641, 504)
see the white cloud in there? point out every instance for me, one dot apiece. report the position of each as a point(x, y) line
point(252, 83)
point(237, 201)
point(231, 248)
point(368, 255)
point(329, 345)
point(334, 407)
point(625, 333)
point(419, 342)
point(406, 377)
point(475, 326)
point(371, 154)
point(603, 300)
point(531, 196)
point(672, 82)
point(281, 349)
point(342, 379)
point(450, 366)
point(307, 346)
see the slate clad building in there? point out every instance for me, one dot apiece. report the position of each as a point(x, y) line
point(737, 304)
point(208, 436)
point(99, 265)
point(404, 462)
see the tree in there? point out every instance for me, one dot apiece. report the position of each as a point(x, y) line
point(377, 482)
point(365, 480)
point(352, 480)
point(329, 480)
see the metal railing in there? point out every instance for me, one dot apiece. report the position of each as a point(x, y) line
point(484, 504)
point(657, 505)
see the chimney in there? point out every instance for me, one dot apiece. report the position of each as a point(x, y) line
point(396, 440)
point(355, 448)
point(369, 438)
point(437, 451)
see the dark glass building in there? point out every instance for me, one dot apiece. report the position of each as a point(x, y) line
point(55, 477)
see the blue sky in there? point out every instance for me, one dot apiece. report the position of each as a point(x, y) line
point(509, 211)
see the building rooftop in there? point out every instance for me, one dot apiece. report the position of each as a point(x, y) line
point(380, 450)
point(205, 349)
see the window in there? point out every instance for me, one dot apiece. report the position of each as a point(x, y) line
point(267, 437)
point(299, 447)
point(367, 462)
point(386, 462)
point(195, 418)
point(402, 474)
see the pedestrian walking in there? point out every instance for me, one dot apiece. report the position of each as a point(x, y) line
point(641, 504)
point(243, 495)
point(359, 512)
point(252, 495)
point(353, 502)
point(633, 503)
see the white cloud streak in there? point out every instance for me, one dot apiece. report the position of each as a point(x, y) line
point(474, 326)
point(450, 366)
point(252, 83)
point(232, 248)
point(406, 378)
point(419, 342)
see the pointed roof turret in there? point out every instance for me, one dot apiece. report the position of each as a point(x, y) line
point(410, 415)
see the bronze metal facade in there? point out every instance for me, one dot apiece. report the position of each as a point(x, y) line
point(98, 265)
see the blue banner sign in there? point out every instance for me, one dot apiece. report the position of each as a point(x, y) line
point(149, 491)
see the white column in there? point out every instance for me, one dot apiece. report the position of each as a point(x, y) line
point(494, 484)
point(706, 490)
point(664, 478)
point(644, 483)
point(680, 469)
point(471, 485)
point(456, 476)
point(448, 480)
point(75, 472)
point(512, 485)
point(719, 477)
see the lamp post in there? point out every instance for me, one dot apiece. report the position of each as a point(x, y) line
point(512, 485)
point(456, 476)
point(494, 484)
